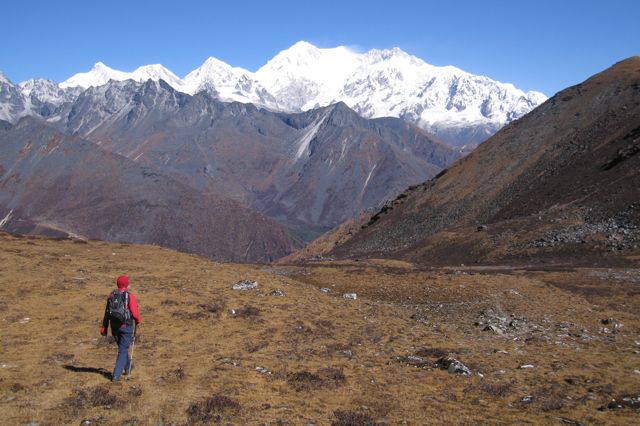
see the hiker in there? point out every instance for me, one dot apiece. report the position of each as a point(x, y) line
point(122, 313)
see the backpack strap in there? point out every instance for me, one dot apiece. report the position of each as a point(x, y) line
point(127, 309)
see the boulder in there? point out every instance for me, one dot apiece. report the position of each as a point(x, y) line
point(453, 366)
point(245, 285)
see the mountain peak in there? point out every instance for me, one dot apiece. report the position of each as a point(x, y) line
point(98, 66)
point(215, 64)
point(302, 47)
point(4, 79)
point(156, 72)
point(98, 75)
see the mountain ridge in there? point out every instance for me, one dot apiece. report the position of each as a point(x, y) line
point(458, 107)
point(268, 161)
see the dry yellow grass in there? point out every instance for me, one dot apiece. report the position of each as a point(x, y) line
point(308, 354)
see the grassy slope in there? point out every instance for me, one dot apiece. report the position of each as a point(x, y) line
point(191, 347)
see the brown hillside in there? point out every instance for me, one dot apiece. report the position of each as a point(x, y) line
point(544, 347)
point(560, 183)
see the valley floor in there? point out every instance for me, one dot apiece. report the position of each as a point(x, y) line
point(554, 346)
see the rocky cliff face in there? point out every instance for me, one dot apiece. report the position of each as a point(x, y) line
point(55, 184)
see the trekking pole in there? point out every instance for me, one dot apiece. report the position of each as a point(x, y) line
point(133, 344)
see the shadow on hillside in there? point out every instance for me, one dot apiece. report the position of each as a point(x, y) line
point(101, 371)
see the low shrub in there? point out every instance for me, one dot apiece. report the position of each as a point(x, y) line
point(332, 375)
point(499, 389)
point(97, 396)
point(252, 347)
point(433, 352)
point(324, 377)
point(174, 376)
point(248, 312)
point(352, 418)
point(212, 409)
point(304, 380)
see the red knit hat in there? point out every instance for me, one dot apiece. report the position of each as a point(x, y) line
point(123, 281)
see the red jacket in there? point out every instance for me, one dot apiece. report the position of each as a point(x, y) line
point(133, 307)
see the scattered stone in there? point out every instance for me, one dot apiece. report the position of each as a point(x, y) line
point(277, 293)
point(607, 321)
point(481, 228)
point(245, 285)
point(625, 402)
point(352, 296)
point(325, 290)
point(414, 361)
point(229, 361)
point(420, 316)
point(494, 329)
point(527, 399)
point(24, 320)
point(636, 371)
point(453, 366)
point(8, 365)
point(16, 387)
point(262, 370)
point(569, 421)
point(525, 366)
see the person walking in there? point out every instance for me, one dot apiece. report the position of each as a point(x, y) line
point(123, 315)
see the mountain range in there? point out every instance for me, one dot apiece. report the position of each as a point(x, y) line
point(562, 183)
point(458, 107)
point(307, 172)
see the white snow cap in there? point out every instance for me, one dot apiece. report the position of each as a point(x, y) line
point(377, 83)
point(98, 75)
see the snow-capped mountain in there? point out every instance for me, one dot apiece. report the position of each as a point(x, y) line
point(11, 100)
point(449, 102)
point(98, 75)
point(459, 107)
point(156, 72)
point(228, 84)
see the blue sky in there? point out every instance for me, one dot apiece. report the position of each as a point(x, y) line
point(536, 45)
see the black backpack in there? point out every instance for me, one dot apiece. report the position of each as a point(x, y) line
point(119, 307)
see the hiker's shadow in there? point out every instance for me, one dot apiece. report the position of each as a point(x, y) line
point(104, 373)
